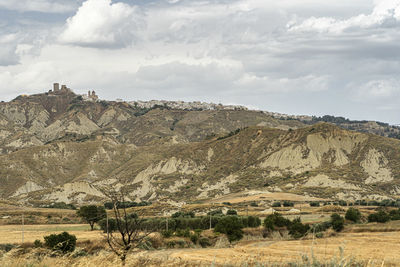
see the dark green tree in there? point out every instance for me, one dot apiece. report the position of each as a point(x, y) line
point(231, 212)
point(91, 214)
point(337, 222)
point(112, 225)
point(353, 214)
point(231, 226)
point(297, 229)
point(381, 216)
point(275, 220)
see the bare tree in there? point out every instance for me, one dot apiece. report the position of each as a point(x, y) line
point(131, 231)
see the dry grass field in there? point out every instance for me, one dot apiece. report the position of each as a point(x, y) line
point(12, 234)
point(375, 248)
point(372, 244)
point(371, 249)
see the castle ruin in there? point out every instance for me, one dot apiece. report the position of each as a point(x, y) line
point(92, 95)
point(56, 88)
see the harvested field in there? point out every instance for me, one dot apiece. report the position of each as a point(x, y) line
point(369, 247)
point(373, 249)
point(12, 234)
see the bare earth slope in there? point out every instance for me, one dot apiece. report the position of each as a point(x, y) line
point(321, 160)
point(39, 119)
point(57, 147)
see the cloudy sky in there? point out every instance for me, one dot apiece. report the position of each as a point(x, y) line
point(313, 57)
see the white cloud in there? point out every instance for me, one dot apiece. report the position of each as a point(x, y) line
point(308, 83)
point(46, 6)
point(386, 13)
point(102, 23)
point(8, 54)
point(380, 88)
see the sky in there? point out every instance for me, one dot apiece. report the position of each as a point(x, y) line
point(311, 57)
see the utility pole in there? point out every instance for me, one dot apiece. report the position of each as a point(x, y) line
point(108, 234)
point(210, 215)
point(166, 223)
point(22, 233)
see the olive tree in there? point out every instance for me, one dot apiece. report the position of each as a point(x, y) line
point(91, 214)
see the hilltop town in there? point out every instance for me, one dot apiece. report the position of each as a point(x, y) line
point(379, 128)
point(180, 105)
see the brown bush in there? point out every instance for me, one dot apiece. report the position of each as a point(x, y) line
point(331, 209)
point(156, 240)
point(92, 247)
point(253, 231)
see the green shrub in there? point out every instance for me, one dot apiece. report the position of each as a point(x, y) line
point(7, 247)
point(275, 220)
point(320, 227)
point(112, 225)
point(353, 214)
point(314, 204)
point(37, 243)
point(395, 215)
point(178, 214)
point(194, 238)
point(276, 204)
point(198, 231)
point(63, 242)
point(231, 212)
point(171, 244)
point(204, 242)
point(381, 217)
point(179, 232)
point(183, 233)
point(337, 222)
point(253, 204)
point(297, 229)
point(217, 212)
point(251, 221)
point(166, 233)
point(342, 203)
point(373, 203)
point(231, 226)
point(288, 204)
point(181, 243)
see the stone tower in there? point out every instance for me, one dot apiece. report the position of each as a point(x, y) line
point(56, 87)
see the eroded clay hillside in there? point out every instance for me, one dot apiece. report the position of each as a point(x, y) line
point(320, 160)
point(29, 121)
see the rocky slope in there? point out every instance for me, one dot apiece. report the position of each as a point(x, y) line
point(40, 119)
point(60, 148)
